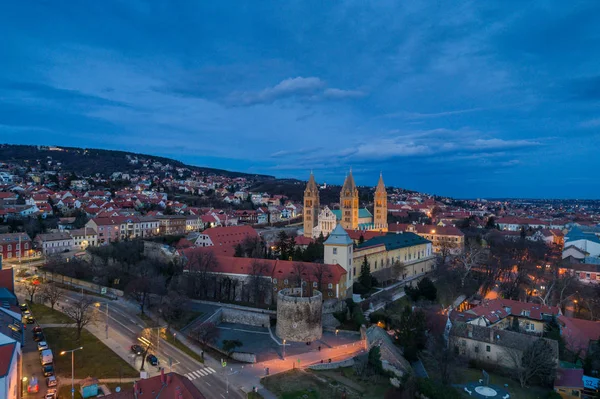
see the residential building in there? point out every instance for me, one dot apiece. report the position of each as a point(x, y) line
point(493, 346)
point(448, 237)
point(580, 335)
point(83, 238)
point(587, 242)
point(585, 272)
point(224, 239)
point(11, 365)
point(54, 243)
point(16, 246)
point(8, 199)
point(172, 224)
point(500, 313)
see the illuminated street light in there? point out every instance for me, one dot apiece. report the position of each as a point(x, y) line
point(72, 352)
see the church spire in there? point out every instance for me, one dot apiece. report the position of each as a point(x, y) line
point(380, 183)
point(312, 184)
point(349, 183)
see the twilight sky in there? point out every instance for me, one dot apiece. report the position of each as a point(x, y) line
point(461, 98)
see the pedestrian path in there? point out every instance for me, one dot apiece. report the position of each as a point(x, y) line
point(203, 372)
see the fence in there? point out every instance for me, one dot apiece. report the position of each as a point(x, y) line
point(86, 285)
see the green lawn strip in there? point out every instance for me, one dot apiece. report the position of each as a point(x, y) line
point(254, 395)
point(298, 384)
point(95, 360)
point(64, 391)
point(113, 385)
point(187, 318)
point(46, 315)
point(175, 342)
point(514, 388)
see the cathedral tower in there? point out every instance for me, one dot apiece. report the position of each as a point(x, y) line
point(380, 207)
point(349, 203)
point(311, 206)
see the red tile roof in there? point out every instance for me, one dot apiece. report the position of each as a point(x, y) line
point(569, 378)
point(273, 267)
point(497, 309)
point(427, 229)
point(578, 332)
point(225, 239)
point(6, 354)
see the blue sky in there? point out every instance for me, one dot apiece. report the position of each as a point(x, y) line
point(461, 98)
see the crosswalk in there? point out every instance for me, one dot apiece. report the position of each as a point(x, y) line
point(203, 372)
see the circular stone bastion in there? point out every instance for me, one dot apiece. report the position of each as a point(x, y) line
point(299, 317)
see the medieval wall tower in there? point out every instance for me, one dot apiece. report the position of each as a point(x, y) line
point(311, 206)
point(380, 207)
point(349, 203)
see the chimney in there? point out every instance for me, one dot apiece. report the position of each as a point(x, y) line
point(169, 378)
point(162, 376)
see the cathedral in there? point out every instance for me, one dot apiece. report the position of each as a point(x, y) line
point(350, 216)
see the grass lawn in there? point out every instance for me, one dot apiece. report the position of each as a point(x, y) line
point(175, 342)
point(45, 315)
point(299, 384)
point(187, 318)
point(64, 391)
point(254, 395)
point(96, 359)
point(113, 385)
point(514, 388)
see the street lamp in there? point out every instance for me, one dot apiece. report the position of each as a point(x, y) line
point(284, 349)
point(98, 304)
point(72, 352)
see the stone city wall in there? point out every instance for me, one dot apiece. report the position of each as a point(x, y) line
point(299, 319)
point(246, 317)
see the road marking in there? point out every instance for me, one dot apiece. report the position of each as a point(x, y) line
point(198, 374)
point(222, 396)
point(207, 383)
point(204, 373)
point(211, 369)
point(190, 376)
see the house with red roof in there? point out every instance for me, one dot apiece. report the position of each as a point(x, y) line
point(501, 314)
point(11, 363)
point(580, 335)
point(224, 239)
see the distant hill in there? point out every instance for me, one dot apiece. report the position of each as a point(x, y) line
point(89, 161)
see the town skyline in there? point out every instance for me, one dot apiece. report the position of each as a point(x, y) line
point(466, 100)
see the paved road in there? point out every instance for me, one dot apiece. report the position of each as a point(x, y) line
point(124, 327)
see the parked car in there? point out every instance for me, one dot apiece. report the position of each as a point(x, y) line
point(42, 345)
point(36, 330)
point(50, 394)
point(33, 386)
point(51, 381)
point(138, 350)
point(153, 360)
point(23, 307)
point(39, 337)
point(46, 357)
point(25, 312)
point(48, 370)
point(30, 319)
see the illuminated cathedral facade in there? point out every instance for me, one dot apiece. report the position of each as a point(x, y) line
point(350, 216)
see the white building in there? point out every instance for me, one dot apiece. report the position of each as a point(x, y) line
point(10, 368)
point(54, 243)
point(83, 238)
point(326, 224)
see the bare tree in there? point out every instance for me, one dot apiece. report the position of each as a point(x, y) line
point(471, 257)
point(320, 271)
point(52, 293)
point(299, 270)
point(557, 290)
point(257, 282)
point(538, 360)
point(82, 313)
point(172, 307)
point(206, 333)
point(202, 264)
point(32, 287)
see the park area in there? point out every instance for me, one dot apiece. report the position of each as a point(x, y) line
point(46, 315)
point(307, 384)
point(96, 359)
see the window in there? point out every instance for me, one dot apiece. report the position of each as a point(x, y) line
point(330, 293)
point(274, 288)
point(476, 349)
point(488, 348)
point(285, 281)
point(9, 248)
point(335, 251)
point(274, 281)
point(314, 284)
point(26, 245)
point(330, 286)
